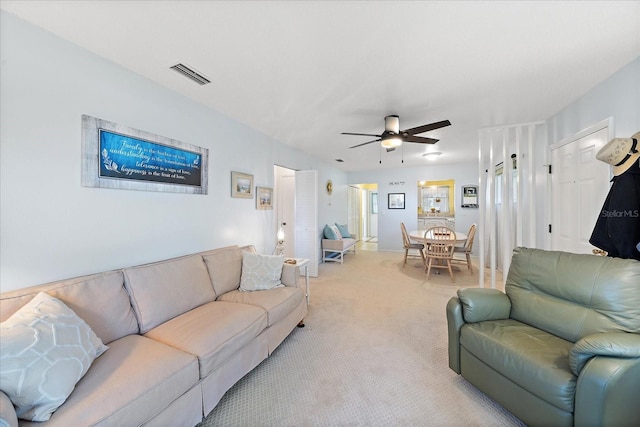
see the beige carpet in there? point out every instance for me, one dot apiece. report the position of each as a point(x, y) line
point(373, 353)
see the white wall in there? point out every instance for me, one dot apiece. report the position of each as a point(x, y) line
point(389, 237)
point(53, 228)
point(617, 97)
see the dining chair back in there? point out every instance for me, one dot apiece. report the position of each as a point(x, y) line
point(434, 223)
point(439, 246)
point(466, 248)
point(409, 246)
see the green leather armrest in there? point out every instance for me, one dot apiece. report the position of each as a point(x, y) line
point(454, 323)
point(480, 304)
point(607, 393)
point(613, 344)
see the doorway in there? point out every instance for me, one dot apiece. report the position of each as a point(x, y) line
point(363, 214)
point(296, 195)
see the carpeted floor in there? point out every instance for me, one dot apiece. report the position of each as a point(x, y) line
point(373, 353)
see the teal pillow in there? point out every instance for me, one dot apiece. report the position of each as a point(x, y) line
point(329, 233)
point(344, 230)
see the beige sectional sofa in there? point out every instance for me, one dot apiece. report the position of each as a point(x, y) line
point(179, 333)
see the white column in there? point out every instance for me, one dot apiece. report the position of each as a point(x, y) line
point(482, 205)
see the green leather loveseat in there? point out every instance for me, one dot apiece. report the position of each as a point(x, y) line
point(561, 347)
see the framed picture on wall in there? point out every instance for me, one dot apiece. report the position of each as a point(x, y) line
point(469, 196)
point(396, 201)
point(241, 185)
point(264, 198)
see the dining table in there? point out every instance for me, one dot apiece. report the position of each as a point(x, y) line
point(418, 236)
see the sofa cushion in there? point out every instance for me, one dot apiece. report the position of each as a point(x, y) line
point(225, 266)
point(260, 272)
point(530, 357)
point(129, 384)
point(277, 302)
point(574, 295)
point(46, 349)
point(166, 289)
point(99, 299)
point(212, 332)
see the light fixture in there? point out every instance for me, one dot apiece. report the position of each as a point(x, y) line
point(279, 249)
point(432, 155)
point(391, 141)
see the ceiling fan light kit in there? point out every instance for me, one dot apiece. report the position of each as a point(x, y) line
point(391, 142)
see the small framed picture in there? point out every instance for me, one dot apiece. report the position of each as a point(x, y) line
point(396, 200)
point(264, 198)
point(241, 185)
point(469, 196)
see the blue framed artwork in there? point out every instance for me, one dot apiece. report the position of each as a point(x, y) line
point(115, 156)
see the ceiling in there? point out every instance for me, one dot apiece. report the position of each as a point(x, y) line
point(303, 72)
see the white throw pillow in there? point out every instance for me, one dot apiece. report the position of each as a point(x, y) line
point(336, 231)
point(260, 272)
point(46, 349)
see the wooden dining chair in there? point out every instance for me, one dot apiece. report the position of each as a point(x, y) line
point(408, 246)
point(466, 249)
point(439, 243)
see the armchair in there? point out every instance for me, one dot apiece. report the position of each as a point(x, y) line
point(561, 346)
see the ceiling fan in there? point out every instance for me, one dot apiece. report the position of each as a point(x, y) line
point(393, 137)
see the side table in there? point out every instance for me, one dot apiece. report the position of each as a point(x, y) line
point(304, 263)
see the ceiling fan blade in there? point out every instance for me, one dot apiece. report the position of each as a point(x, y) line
point(365, 143)
point(426, 128)
point(361, 134)
point(420, 139)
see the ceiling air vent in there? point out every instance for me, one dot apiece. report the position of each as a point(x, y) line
point(190, 73)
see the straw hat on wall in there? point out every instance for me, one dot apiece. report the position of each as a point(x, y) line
point(621, 153)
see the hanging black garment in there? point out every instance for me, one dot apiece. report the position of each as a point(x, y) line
point(617, 229)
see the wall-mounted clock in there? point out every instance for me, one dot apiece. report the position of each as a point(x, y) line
point(329, 187)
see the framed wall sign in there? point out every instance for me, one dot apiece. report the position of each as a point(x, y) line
point(396, 201)
point(264, 198)
point(469, 196)
point(241, 185)
point(120, 157)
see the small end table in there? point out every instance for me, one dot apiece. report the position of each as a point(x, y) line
point(304, 263)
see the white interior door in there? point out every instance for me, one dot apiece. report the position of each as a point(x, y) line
point(306, 227)
point(579, 186)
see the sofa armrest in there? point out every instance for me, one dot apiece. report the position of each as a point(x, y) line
point(480, 304)
point(607, 392)
point(290, 275)
point(8, 417)
point(611, 344)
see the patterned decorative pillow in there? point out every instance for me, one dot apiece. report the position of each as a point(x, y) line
point(46, 349)
point(344, 230)
point(260, 272)
point(331, 232)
